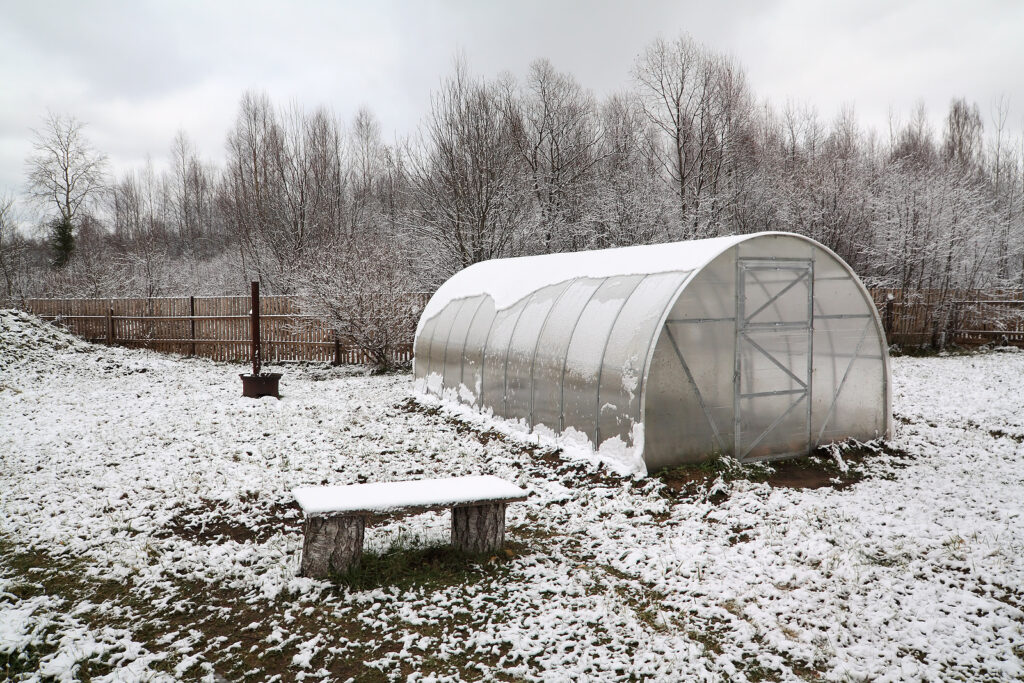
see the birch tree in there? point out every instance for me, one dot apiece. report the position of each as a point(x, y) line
point(65, 173)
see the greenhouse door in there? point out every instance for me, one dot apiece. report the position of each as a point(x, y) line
point(774, 327)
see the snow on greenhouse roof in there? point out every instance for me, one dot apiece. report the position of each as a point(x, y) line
point(509, 280)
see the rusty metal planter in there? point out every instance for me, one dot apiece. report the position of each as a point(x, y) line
point(257, 386)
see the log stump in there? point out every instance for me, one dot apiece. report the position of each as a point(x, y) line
point(332, 545)
point(478, 528)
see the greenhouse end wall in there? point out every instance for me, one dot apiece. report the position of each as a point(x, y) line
point(758, 346)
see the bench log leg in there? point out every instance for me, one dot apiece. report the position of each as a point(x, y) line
point(332, 544)
point(478, 528)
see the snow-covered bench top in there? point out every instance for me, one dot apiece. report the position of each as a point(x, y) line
point(398, 495)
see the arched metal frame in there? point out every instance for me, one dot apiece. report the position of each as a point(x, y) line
point(541, 342)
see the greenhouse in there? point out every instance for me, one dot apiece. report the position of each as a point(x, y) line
point(758, 346)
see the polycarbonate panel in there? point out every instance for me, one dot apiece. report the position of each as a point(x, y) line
point(519, 384)
point(836, 357)
point(776, 294)
point(421, 349)
point(585, 354)
point(456, 341)
point(626, 353)
point(859, 412)
point(677, 428)
point(552, 344)
point(473, 352)
point(778, 246)
point(435, 353)
point(496, 355)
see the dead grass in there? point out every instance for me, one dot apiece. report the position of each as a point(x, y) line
point(234, 633)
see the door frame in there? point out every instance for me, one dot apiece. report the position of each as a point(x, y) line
point(802, 268)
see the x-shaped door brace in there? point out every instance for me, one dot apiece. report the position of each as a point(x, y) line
point(774, 360)
point(806, 272)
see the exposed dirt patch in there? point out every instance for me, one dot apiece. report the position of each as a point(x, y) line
point(217, 522)
point(1000, 434)
point(838, 466)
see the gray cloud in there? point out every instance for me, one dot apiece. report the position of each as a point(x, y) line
point(139, 71)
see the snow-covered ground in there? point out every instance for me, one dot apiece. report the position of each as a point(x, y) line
point(147, 533)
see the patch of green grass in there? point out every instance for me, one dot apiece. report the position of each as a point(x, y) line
point(23, 662)
point(430, 567)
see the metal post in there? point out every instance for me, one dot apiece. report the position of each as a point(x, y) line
point(337, 350)
point(110, 326)
point(255, 317)
point(192, 322)
point(890, 317)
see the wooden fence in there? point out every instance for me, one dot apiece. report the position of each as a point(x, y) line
point(212, 327)
point(920, 318)
point(218, 327)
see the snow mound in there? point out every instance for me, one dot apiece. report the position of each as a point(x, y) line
point(26, 337)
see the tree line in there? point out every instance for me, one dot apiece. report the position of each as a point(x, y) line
point(328, 209)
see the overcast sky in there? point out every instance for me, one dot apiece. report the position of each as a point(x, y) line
point(137, 72)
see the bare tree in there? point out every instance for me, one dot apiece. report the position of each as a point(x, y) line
point(12, 244)
point(363, 293)
point(628, 206)
point(962, 145)
point(468, 197)
point(558, 137)
point(699, 101)
point(64, 173)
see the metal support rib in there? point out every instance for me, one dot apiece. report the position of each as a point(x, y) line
point(835, 397)
point(773, 359)
point(696, 389)
point(536, 343)
point(462, 358)
point(600, 368)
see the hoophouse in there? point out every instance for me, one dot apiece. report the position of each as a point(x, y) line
point(758, 346)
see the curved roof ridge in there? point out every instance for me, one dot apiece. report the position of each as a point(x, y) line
point(508, 280)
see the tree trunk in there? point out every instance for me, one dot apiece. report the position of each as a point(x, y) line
point(332, 545)
point(478, 528)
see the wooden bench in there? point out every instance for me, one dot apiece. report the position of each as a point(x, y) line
point(336, 515)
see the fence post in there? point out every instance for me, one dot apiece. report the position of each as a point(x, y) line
point(110, 326)
point(192, 322)
point(889, 315)
point(255, 334)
